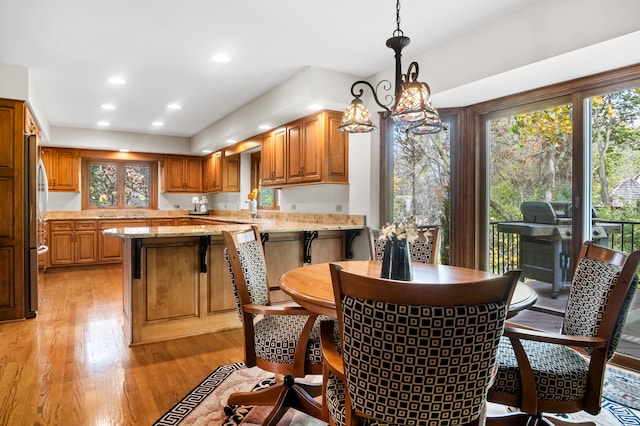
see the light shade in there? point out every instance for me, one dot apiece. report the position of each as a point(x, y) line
point(356, 118)
point(431, 125)
point(414, 104)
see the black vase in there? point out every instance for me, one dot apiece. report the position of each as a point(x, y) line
point(396, 261)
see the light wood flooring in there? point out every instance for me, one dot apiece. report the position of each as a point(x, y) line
point(71, 365)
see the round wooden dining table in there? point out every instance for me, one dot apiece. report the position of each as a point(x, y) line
point(311, 287)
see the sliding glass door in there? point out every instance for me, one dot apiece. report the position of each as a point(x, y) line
point(530, 192)
point(560, 172)
point(612, 131)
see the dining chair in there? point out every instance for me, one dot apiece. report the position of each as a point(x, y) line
point(412, 353)
point(424, 250)
point(542, 372)
point(281, 339)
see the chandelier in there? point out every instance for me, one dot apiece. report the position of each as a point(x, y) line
point(411, 105)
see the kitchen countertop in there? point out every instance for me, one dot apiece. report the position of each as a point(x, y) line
point(241, 216)
point(267, 221)
point(264, 225)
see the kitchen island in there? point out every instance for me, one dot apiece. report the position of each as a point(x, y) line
point(176, 282)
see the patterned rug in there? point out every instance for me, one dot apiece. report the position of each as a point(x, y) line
point(204, 405)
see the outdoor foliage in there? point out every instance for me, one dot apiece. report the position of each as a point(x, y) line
point(530, 160)
point(108, 180)
point(420, 176)
point(531, 156)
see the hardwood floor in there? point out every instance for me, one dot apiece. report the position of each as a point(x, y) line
point(71, 365)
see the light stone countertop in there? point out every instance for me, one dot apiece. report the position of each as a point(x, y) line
point(264, 225)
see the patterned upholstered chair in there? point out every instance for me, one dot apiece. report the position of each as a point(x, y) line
point(412, 354)
point(424, 250)
point(285, 340)
point(541, 372)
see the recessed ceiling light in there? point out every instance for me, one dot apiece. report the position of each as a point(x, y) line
point(157, 123)
point(117, 80)
point(315, 107)
point(221, 58)
point(206, 151)
point(124, 150)
point(108, 106)
point(264, 127)
point(174, 106)
point(230, 141)
point(103, 123)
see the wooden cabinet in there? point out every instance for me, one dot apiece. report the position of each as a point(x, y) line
point(61, 165)
point(313, 152)
point(110, 248)
point(182, 174)
point(212, 173)
point(336, 150)
point(231, 173)
point(12, 182)
point(304, 146)
point(274, 157)
point(73, 242)
point(221, 173)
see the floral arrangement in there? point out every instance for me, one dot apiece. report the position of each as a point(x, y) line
point(253, 194)
point(406, 229)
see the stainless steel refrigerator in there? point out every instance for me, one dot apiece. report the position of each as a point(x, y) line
point(36, 188)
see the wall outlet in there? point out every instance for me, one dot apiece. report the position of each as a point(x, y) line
point(338, 207)
point(293, 206)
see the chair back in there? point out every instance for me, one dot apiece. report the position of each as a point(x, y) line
point(424, 250)
point(247, 267)
point(422, 351)
point(602, 287)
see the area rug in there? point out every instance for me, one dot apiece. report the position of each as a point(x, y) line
point(205, 404)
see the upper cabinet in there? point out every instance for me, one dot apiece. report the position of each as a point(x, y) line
point(231, 173)
point(212, 172)
point(221, 173)
point(182, 174)
point(61, 165)
point(274, 150)
point(308, 150)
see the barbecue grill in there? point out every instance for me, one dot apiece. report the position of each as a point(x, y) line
point(545, 240)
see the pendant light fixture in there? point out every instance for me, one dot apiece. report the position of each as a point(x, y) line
point(411, 106)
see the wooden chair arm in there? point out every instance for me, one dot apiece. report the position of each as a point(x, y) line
point(548, 311)
point(331, 356)
point(276, 310)
point(559, 339)
point(529, 401)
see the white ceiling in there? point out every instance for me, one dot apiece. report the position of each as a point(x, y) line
point(164, 49)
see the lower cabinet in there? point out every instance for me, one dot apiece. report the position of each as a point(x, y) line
point(81, 242)
point(73, 242)
point(110, 248)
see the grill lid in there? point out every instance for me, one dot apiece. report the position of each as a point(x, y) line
point(554, 212)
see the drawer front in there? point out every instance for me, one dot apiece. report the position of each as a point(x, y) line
point(86, 225)
point(61, 226)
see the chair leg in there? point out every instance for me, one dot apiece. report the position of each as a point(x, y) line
point(282, 396)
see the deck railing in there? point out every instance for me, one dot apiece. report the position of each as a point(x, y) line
point(504, 248)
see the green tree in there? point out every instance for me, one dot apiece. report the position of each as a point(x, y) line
point(615, 137)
